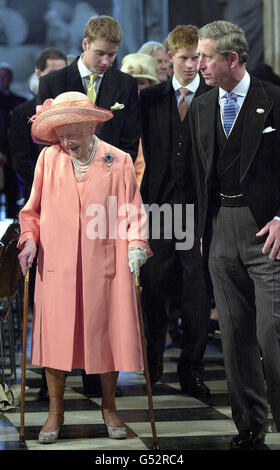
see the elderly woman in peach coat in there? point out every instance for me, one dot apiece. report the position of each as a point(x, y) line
point(86, 215)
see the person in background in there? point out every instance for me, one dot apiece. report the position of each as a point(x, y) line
point(265, 72)
point(23, 150)
point(168, 181)
point(143, 68)
point(8, 101)
point(236, 136)
point(84, 271)
point(158, 51)
point(170, 65)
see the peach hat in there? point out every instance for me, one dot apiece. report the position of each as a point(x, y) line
point(67, 108)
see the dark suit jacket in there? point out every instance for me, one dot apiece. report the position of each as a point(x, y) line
point(123, 130)
point(7, 103)
point(23, 150)
point(259, 162)
point(156, 115)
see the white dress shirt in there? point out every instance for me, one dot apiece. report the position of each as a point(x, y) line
point(192, 87)
point(240, 90)
point(85, 76)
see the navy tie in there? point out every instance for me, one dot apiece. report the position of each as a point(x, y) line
point(229, 111)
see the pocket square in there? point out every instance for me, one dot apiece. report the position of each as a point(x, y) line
point(268, 129)
point(117, 106)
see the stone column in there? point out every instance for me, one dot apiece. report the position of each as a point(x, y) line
point(271, 30)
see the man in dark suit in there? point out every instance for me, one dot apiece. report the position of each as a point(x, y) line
point(111, 89)
point(236, 139)
point(93, 73)
point(8, 101)
point(175, 269)
point(23, 150)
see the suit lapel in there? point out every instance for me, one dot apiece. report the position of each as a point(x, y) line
point(206, 126)
point(74, 81)
point(106, 96)
point(163, 117)
point(258, 107)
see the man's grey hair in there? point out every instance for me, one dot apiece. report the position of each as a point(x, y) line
point(150, 47)
point(229, 37)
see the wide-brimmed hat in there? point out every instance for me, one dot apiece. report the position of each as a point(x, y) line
point(67, 108)
point(140, 66)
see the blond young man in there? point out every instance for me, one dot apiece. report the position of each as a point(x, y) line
point(112, 89)
point(174, 275)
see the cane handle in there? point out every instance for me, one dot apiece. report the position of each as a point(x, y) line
point(137, 281)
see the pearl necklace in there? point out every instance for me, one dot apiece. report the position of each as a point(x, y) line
point(84, 166)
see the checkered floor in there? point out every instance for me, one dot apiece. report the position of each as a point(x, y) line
point(182, 422)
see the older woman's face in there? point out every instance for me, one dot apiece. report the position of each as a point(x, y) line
point(76, 138)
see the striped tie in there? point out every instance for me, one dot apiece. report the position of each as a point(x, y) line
point(91, 93)
point(229, 111)
point(183, 103)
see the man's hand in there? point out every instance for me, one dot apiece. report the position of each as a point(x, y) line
point(272, 243)
point(27, 255)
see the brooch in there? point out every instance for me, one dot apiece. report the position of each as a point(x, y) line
point(108, 160)
point(260, 110)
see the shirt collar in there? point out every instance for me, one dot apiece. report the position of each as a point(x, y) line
point(84, 71)
point(240, 89)
point(192, 86)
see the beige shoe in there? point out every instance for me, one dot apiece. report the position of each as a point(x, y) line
point(49, 437)
point(115, 432)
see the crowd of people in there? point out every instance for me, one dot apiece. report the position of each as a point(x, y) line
point(171, 128)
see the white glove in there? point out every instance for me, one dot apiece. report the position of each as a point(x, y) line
point(137, 256)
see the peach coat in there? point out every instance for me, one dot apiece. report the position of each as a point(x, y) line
point(54, 217)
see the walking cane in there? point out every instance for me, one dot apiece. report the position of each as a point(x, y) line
point(146, 367)
point(23, 360)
